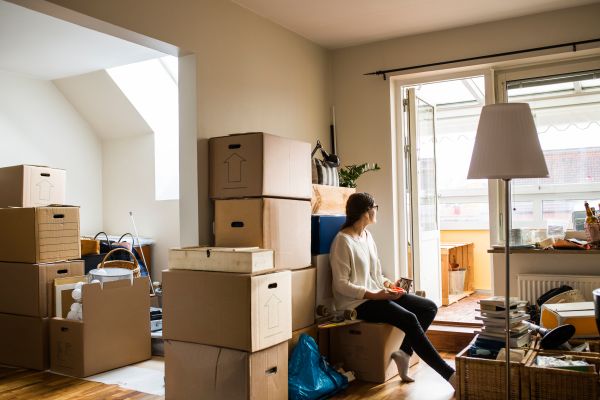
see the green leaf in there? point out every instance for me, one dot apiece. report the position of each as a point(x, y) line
point(349, 174)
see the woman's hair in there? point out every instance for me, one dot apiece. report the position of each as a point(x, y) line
point(356, 206)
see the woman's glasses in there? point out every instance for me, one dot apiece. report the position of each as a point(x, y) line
point(376, 206)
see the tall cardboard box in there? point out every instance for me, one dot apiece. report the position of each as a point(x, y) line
point(366, 348)
point(196, 371)
point(24, 341)
point(259, 164)
point(324, 280)
point(115, 330)
point(239, 311)
point(31, 186)
point(26, 289)
point(39, 235)
point(282, 225)
point(304, 283)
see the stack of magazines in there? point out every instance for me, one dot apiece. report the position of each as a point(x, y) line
point(493, 317)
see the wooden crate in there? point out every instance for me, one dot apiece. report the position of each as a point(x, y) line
point(462, 254)
point(551, 383)
point(484, 379)
point(330, 200)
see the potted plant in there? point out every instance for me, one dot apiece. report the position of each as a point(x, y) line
point(349, 174)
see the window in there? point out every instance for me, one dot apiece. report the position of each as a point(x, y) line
point(151, 87)
point(566, 110)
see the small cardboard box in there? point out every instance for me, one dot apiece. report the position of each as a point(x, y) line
point(324, 228)
point(27, 289)
point(259, 164)
point(312, 330)
point(196, 371)
point(222, 259)
point(31, 186)
point(115, 330)
point(39, 235)
point(24, 341)
point(324, 293)
point(282, 225)
point(304, 284)
point(330, 200)
point(580, 315)
point(240, 311)
point(366, 348)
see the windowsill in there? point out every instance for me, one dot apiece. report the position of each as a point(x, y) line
point(541, 251)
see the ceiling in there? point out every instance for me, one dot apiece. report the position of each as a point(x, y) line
point(341, 23)
point(44, 47)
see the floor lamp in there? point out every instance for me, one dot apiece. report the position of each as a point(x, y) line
point(507, 147)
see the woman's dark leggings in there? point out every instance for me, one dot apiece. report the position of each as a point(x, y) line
point(413, 315)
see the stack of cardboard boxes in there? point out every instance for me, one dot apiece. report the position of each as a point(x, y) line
point(37, 245)
point(229, 311)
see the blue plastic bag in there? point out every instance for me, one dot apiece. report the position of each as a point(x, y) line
point(310, 377)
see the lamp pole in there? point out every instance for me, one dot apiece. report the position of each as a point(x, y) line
point(507, 211)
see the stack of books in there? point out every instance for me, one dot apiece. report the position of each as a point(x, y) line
point(493, 316)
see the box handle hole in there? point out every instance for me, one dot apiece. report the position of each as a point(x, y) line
point(64, 329)
point(58, 216)
point(354, 332)
point(237, 224)
point(62, 271)
point(207, 253)
point(272, 285)
point(234, 146)
point(47, 175)
point(271, 371)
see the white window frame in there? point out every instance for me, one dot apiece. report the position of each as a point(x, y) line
point(536, 70)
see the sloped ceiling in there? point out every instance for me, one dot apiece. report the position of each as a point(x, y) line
point(99, 100)
point(44, 47)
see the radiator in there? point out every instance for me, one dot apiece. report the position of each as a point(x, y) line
point(532, 286)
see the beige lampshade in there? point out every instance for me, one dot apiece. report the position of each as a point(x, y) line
point(507, 144)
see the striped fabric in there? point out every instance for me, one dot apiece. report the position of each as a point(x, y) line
point(324, 174)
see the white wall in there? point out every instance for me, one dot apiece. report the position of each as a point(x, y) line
point(362, 103)
point(251, 74)
point(39, 126)
point(128, 180)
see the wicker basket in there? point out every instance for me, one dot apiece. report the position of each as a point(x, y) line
point(552, 383)
point(484, 379)
point(132, 265)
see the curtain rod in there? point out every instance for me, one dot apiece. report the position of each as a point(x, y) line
point(507, 53)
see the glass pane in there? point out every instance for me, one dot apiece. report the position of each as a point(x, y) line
point(464, 213)
point(426, 167)
point(569, 212)
point(522, 211)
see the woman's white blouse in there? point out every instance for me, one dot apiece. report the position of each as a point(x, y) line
point(355, 268)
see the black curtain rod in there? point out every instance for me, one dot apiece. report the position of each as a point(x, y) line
point(508, 53)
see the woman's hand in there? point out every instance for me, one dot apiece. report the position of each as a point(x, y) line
point(383, 295)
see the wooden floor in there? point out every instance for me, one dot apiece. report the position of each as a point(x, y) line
point(24, 384)
point(20, 384)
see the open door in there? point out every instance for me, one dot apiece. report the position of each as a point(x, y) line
point(423, 198)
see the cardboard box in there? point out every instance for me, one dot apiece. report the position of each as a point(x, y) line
point(282, 225)
point(259, 164)
point(324, 228)
point(31, 186)
point(312, 330)
point(39, 235)
point(195, 371)
point(239, 311)
point(324, 292)
point(304, 285)
point(330, 200)
point(27, 289)
point(114, 332)
point(580, 315)
point(222, 259)
point(24, 341)
point(366, 348)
